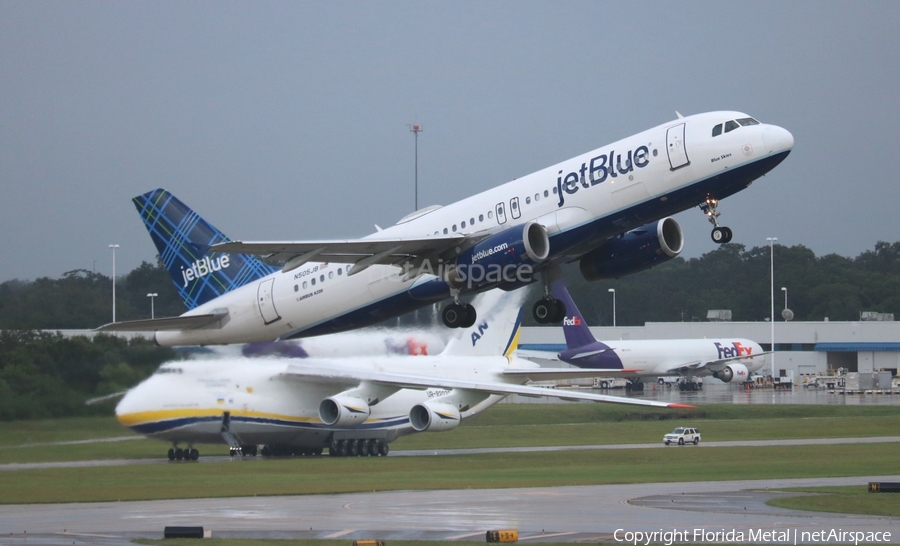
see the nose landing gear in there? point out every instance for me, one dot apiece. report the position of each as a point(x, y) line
point(720, 234)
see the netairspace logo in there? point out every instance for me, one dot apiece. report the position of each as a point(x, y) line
point(754, 536)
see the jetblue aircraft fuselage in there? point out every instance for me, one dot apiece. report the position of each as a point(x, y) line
point(572, 209)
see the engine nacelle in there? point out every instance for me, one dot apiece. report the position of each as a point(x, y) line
point(343, 410)
point(634, 251)
point(737, 373)
point(434, 416)
point(496, 260)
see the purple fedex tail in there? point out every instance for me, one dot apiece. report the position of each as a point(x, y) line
point(582, 349)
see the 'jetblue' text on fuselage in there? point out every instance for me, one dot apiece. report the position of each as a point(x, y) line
point(599, 169)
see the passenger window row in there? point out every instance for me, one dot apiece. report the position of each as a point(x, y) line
point(490, 214)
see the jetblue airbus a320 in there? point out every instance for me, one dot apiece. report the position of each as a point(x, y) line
point(608, 209)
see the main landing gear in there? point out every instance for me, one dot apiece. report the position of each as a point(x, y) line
point(358, 448)
point(548, 309)
point(459, 315)
point(186, 454)
point(720, 234)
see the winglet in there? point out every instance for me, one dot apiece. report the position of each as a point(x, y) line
point(681, 406)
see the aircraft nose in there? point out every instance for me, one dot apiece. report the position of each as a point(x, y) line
point(778, 139)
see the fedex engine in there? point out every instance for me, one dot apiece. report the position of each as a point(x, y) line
point(634, 251)
point(737, 373)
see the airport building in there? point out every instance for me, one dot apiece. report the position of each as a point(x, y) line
point(801, 348)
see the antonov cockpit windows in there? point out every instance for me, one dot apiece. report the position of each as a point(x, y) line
point(732, 125)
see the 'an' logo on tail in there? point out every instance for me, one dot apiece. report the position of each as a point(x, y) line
point(477, 335)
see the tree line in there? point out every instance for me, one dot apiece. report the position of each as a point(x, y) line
point(729, 277)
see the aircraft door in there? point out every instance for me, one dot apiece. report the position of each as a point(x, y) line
point(678, 157)
point(500, 210)
point(266, 302)
point(514, 208)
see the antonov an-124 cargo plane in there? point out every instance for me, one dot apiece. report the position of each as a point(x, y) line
point(351, 405)
point(607, 209)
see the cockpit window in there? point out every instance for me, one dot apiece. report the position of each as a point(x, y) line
point(717, 130)
point(731, 126)
point(747, 121)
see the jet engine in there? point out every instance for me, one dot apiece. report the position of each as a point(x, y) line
point(434, 416)
point(495, 260)
point(343, 410)
point(634, 251)
point(733, 372)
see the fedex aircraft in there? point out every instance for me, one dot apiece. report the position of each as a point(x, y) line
point(730, 360)
point(351, 405)
point(607, 209)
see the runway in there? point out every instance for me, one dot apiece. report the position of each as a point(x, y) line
point(555, 514)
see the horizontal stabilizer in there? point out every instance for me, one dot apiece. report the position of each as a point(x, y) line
point(190, 322)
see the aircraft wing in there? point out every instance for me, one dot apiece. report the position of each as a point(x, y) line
point(189, 322)
point(363, 252)
point(410, 381)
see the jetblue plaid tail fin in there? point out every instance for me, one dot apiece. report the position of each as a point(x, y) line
point(183, 239)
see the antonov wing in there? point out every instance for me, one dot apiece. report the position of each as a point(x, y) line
point(362, 252)
point(408, 381)
point(189, 322)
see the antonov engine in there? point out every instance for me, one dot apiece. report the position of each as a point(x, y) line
point(343, 410)
point(434, 416)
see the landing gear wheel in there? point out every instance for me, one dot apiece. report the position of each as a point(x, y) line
point(383, 449)
point(352, 448)
point(721, 235)
point(455, 315)
point(560, 312)
point(372, 448)
point(171, 454)
point(179, 454)
point(471, 315)
point(194, 455)
point(546, 311)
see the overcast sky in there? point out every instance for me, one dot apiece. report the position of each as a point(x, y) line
point(289, 120)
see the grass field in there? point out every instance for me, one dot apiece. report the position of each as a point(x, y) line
point(844, 500)
point(506, 425)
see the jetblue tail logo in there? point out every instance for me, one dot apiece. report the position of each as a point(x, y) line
point(204, 267)
point(736, 350)
point(477, 335)
point(183, 239)
point(574, 321)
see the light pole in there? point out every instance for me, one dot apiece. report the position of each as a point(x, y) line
point(114, 247)
point(416, 129)
point(152, 311)
point(784, 289)
point(613, 292)
point(772, 294)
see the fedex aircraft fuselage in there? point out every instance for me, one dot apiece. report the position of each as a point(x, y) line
point(563, 213)
point(663, 357)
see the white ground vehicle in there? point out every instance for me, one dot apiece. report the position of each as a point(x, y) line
point(682, 435)
point(609, 383)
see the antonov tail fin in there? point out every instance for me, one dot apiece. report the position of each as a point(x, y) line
point(496, 331)
point(183, 238)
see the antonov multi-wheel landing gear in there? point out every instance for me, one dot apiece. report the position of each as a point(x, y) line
point(720, 234)
point(187, 454)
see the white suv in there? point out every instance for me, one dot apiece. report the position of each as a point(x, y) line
point(682, 435)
